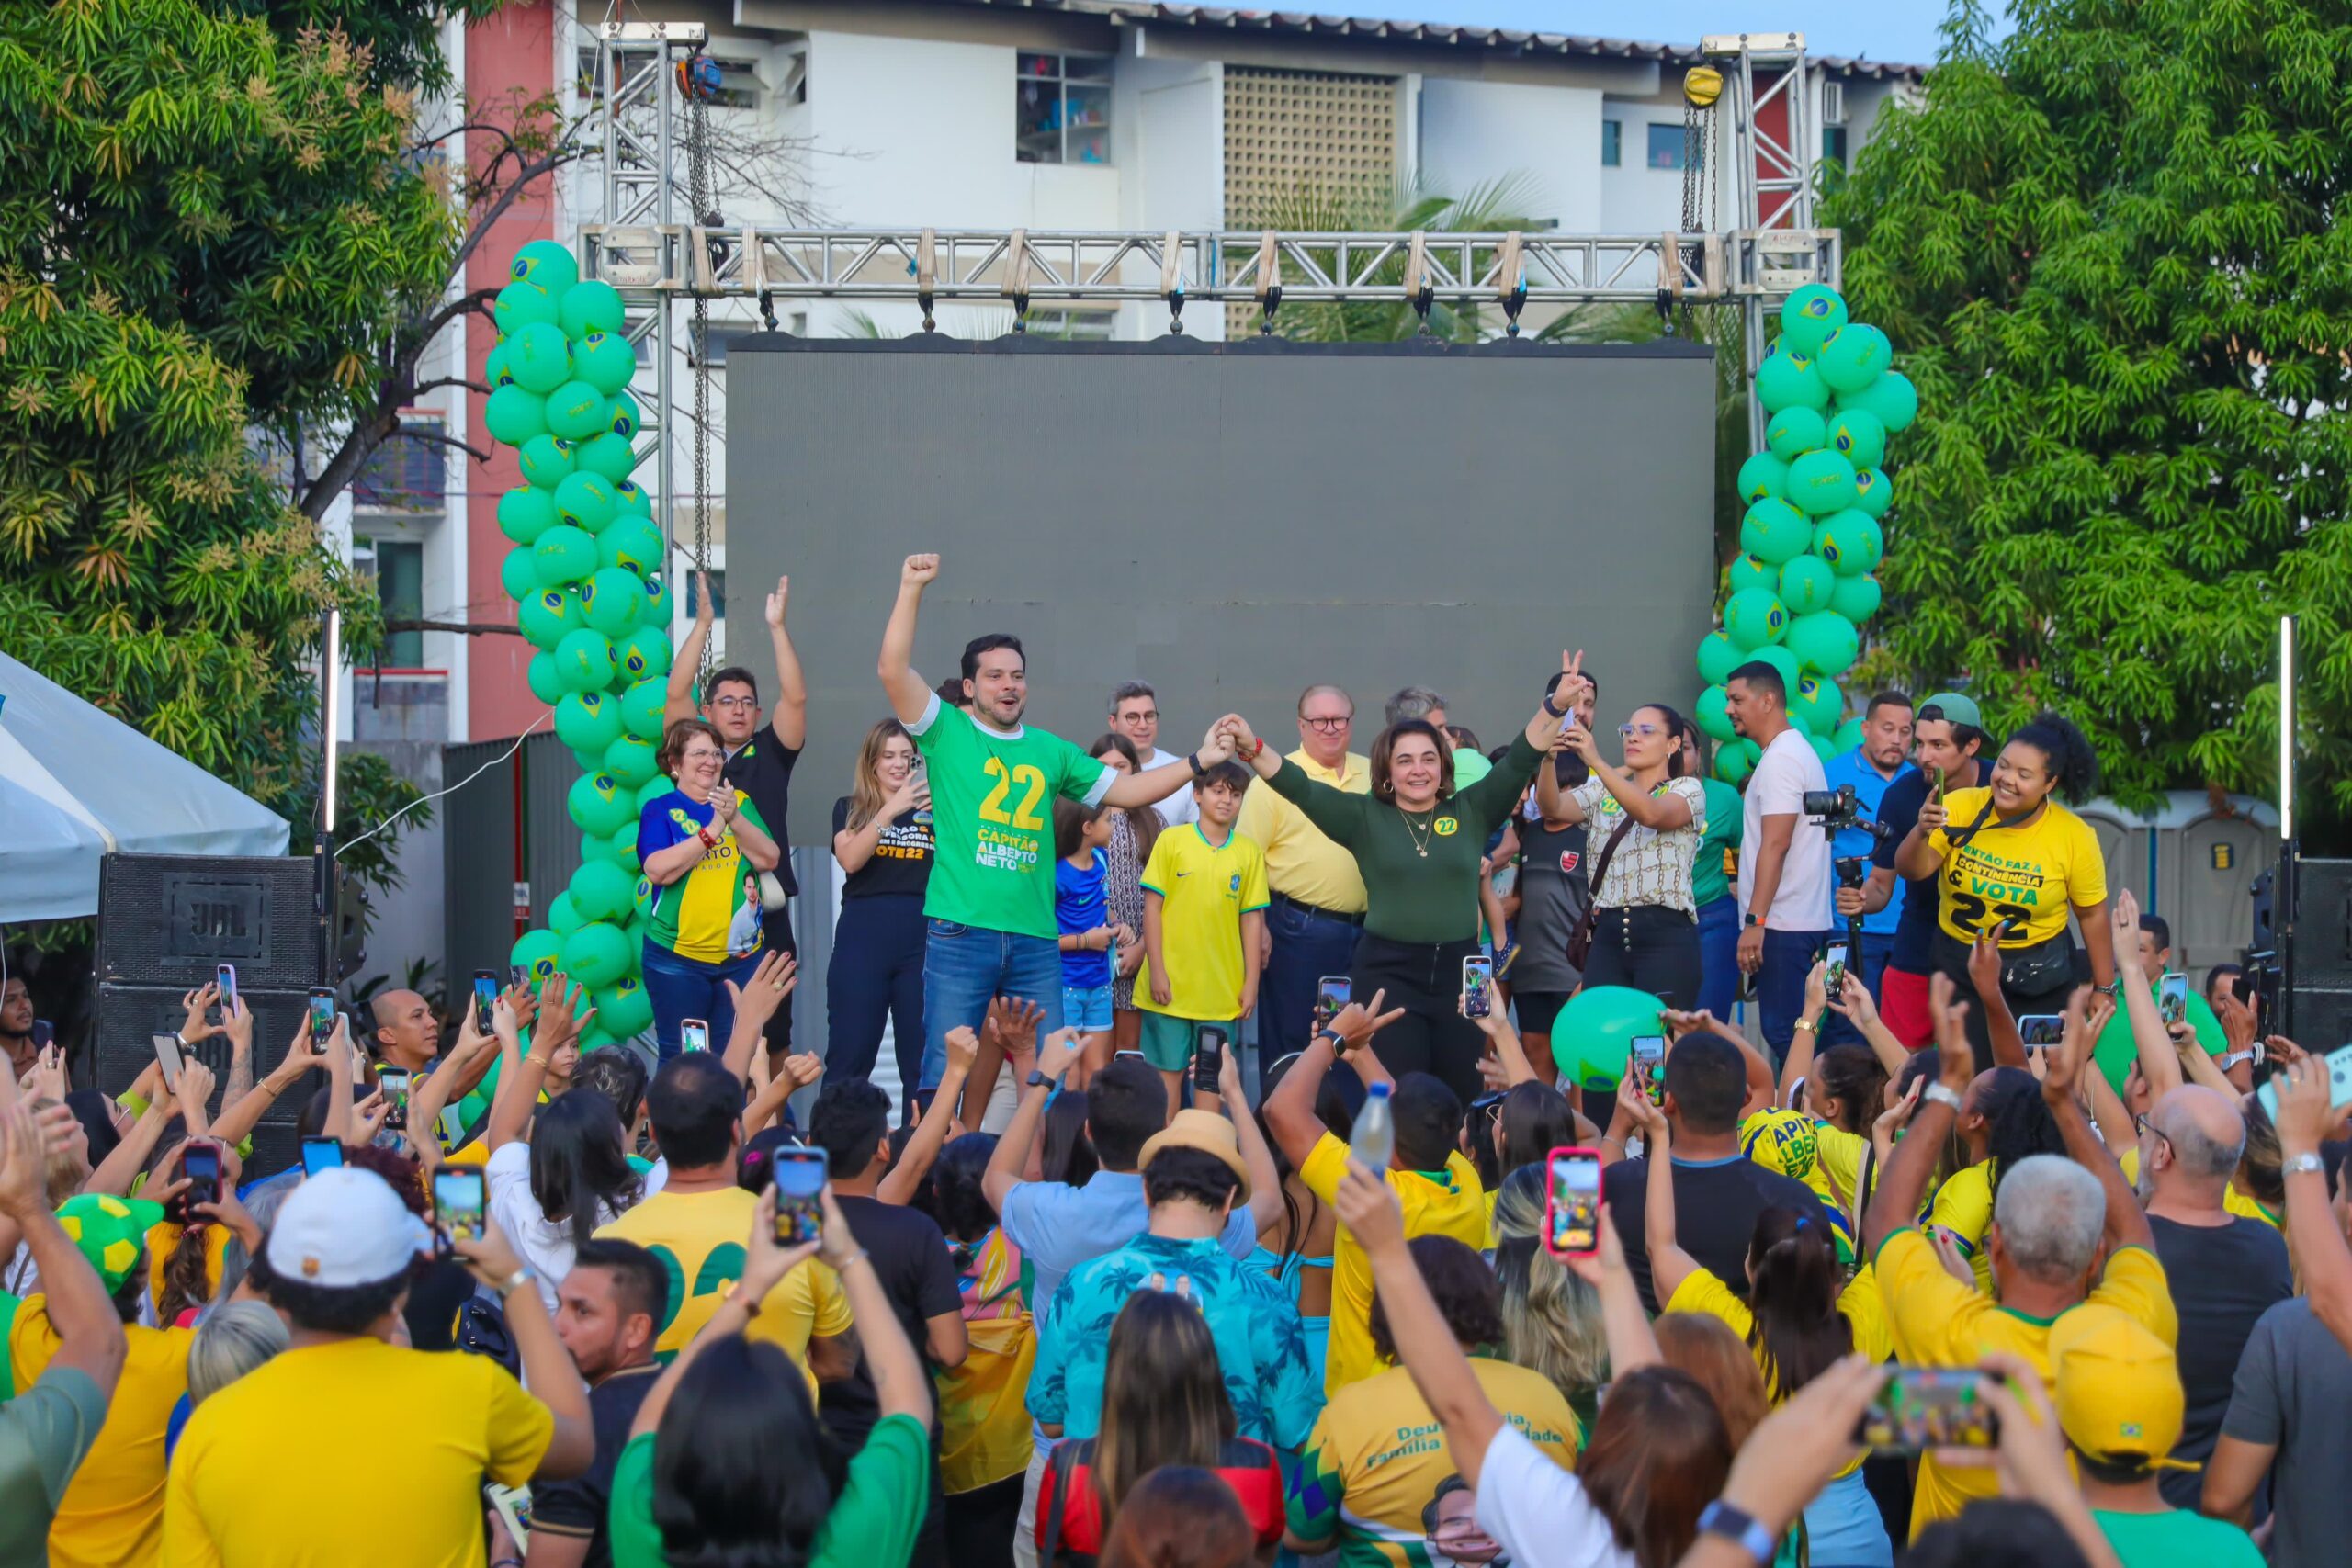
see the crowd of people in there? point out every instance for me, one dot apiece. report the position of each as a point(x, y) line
point(1895, 1268)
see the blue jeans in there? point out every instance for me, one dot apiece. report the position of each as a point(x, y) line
point(1306, 945)
point(1779, 985)
point(1719, 956)
point(966, 967)
point(876, 976)
point(1877, 948)
point(682, 988)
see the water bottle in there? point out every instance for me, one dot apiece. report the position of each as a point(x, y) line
point(1375, 1138)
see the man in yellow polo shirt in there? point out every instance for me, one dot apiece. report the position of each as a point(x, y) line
point(1317, 906)
point(2055, 1222)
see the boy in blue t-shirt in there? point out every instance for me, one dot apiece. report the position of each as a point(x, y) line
point(1088, 936)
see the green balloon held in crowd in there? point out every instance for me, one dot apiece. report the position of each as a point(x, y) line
point(546, 264)
point(584, 661)
point(577, 410)
point(514, 416)
point(587, 721)
point(1755, 619)
point(1873, 492)
point(614, 600)
point(1760, 478)
point(1821, 483)
point(1718, 656)
point(547, 616)
point(564, 554)
point(1752, 572)
point(604, 360)
point(525, 513)
point(1805, 585)
point(1710, 715)
point(603, 891)
point(631, 761)
point(1774, 532)
point(1809, 315)
point(1792, 432)
point(1603, 1022)
point(641, 704)
point(644, 654)
point(596, 954)
point(586, 502)
point(1824, 642)
point(545, 461)
point(524, 303)
point(591, 307)
point(1788, 379)
point(1851, 542)
point(1856, 598)
point(1853, 357)
point(538, 357)
point(1856, 436)
point(1892, 400)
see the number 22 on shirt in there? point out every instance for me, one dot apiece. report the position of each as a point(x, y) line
point(1022, 777)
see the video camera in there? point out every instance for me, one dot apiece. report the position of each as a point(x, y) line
point(1842, 808)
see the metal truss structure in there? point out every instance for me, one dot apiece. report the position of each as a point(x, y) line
point(1764, 77)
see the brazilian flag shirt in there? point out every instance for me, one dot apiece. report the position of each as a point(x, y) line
point(992, 819)
point(691, 916)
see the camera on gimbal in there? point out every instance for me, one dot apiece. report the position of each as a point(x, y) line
point(1838, 809)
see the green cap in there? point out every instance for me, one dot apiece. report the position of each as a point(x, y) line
point(110, 1231)
point(1954, 708)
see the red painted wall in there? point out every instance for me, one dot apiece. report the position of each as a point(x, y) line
point(510, 58)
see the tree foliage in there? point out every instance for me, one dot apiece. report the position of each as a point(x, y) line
point(2111, 251)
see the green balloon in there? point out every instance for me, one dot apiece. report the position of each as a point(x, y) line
point(1873, 492)
point(538, 357)
point(1752, 572)
point(577, 410)
point(1824, 642)
point(1755, 619)
point(631, 761)
point(1735, 761)
point(515, 574)
point(1788, 379)
point(546, 264)
point(603, 891)
point(609, 456)
point(1811, 314)
point(1709, 714)
point(547, 616)
point(1600, 1023)
point(625, 842)
point(633, 498)
point(584, 661)
point(545, 461)
point(1795, 431)
point(586, 502)
point(1822, 704)
point(642, 707)
point(493, 367)
point(1856, 598)
point(631, 542)
point(525, 513)
point(514, 415)
point(591, 307)
point(1853, 357)
point(1893, 399)
point(1760, 478)
point(599, 805)
point(644, 654)
point(524, 303)
point(564, 554)
point(657, 599)
point(626, 417)
point(535, 952)
point(1856, 436)
point(1848, 736)
point(540, 677)
point(1774, 532)
point(1821, 483)
point(1782, 660)
point(2114, 1052)
point(588, 721)
point(623, 1008)
point(605, 361)
point(596, 954)
point(562, 918)
point(1718, 656)
point(616, 600)
point(650, 792)
point(1823, 747)
point(588, 761)
point(1851, 542)
point(1806, 585)
point(608, 850)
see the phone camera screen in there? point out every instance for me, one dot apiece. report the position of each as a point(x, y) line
point(1930, 1407)
point(1576, 1202)
point(800, 1183)
point(458, 1204)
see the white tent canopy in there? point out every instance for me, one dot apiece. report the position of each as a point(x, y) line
point(77, 784)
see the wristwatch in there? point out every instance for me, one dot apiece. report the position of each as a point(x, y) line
point(2304, 1164)
point(1193, 758)
point(1941, 1095)
point(1037, 1078)
point(1753, 919)
point(1338, 1041)
point(1740, 1528)
point(1555, 713)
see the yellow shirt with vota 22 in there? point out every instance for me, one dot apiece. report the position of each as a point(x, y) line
point(992, 819)
point(2030, 876)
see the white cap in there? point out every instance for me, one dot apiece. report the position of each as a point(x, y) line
point(344, 1227)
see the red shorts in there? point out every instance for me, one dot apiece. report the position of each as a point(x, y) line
point(1903, 1007)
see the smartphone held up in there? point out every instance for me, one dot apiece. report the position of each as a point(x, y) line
point(1477, 987)
point(799, 1194)
point(1209, 1040)
point(1572, 1202)
point(459, 1201)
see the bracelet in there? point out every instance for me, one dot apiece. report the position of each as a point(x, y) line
point(1941, 1095)
point(1556, 713)
point(1807, 1024)
point(2305, 1164)
point(846, 1264)
point(747, 1302)
point(708, 842)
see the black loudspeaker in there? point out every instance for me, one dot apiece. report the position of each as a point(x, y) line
point(129, 1017)
point(174, 919)
point(2322, 926)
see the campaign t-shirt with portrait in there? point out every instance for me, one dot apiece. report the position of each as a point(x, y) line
point(901, 863)
point(991, 796)
point(2029, 876)
point(693, 916)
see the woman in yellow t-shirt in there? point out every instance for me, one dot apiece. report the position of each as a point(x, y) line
point(2012, 860)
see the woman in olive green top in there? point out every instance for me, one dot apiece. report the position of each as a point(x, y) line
point(726, 1457)
point(1418, 844)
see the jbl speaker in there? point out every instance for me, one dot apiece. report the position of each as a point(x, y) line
point(174, 919)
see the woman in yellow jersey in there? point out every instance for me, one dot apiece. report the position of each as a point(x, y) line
point(1799, 1319)
point(700, 845)
point(2010, 859)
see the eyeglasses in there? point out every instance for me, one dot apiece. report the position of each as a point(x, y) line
point(1151, 718)
point(735, 702)
point(702, 754)
point(1630, 730)
point(1327, 725)
point(2141, 1124)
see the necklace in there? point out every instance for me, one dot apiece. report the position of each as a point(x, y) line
point(1421, 839)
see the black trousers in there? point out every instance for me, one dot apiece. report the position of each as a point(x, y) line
point(775, 928)
point(1425, 979)
point(1648, 947)
point(981, 1524)
point(1951, 959)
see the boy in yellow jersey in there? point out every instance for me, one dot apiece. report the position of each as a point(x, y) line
point(1204, 915)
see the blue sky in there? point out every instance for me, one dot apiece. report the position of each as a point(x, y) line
point(1883, 29)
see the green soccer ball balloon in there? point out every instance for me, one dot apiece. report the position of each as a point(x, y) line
point(1788, 379)
point(1794, 432)
point(540, 675)
point(623, 1008)
point(603, 891)
point(1820, 701)
point(524, 303)
point(605, 361)
point(1709, 717)
point(586, 502)
point(1851, 542)
point(1754, 619)
point(514, 416)
point(641, 703)
point(591, 307)
point(588, 721)
point(1760, 478)
point(1873, 492)
point(535, 954)
point(515, 574)
point(563, 555)
point(1892, 398)
point(1751, 571)
point(1821, 483)
point(616, 600)
point(546, 264)
point(545, 461)
point(545, 617)
point(609, 456)
point(626, 418)
point(1853, 357)
point(1856, 598)
point(538, 357)
point(596, 954)
point(631, 542)
point(633, 498)
point(1774, 532)
point(599, 805)
point(644, 654)
point(631, 761)
point(1824, 642)
point(494, 373)
point(1718, 656)
point(1856, 436)
point(577, 410)
point(584, 661)
point(525, 513)
point(1735, 761)
point(1805, 585)
point(1809, 315)
point(1781, 660)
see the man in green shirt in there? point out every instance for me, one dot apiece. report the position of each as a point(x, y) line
point(990, 904)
